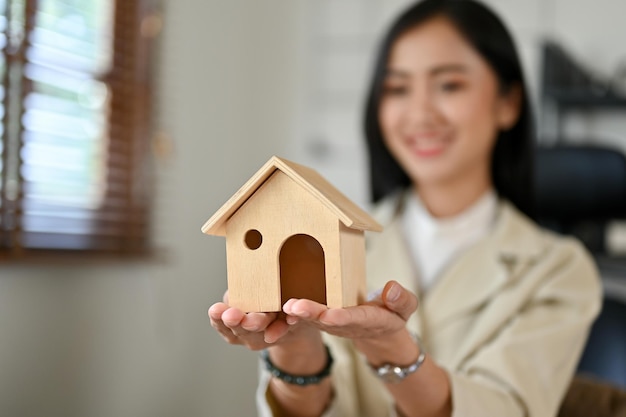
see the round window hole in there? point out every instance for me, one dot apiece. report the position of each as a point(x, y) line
point(253, 239)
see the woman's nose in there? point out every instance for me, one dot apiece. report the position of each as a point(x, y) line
point(421, 108)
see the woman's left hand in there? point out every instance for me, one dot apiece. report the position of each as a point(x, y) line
point(385, 314)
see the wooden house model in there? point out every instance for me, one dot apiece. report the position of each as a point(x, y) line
point(291, 234)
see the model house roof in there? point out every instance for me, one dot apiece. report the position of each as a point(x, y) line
point(347, 212)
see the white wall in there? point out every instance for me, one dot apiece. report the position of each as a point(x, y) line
point(134, 340)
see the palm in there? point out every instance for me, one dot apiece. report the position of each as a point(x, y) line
point(370, 320)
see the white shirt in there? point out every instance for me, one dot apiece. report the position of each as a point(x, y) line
point(434, 242)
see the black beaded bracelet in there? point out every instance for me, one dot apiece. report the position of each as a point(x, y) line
point(301, 380)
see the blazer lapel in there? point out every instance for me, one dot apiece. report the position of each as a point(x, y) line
point(494, 262)
point(482, 270)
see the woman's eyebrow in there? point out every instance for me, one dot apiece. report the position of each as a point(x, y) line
point(435, 70)
point(447, 68)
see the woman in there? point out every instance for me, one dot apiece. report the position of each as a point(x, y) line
point(504, 307)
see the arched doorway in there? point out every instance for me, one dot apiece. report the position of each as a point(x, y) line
point(302, 269)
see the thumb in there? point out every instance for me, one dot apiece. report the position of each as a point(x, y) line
point(399, 300)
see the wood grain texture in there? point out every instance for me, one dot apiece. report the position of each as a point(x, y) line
point(289, 233)
point(347, 211)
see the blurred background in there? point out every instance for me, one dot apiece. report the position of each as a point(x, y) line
point(126, 124)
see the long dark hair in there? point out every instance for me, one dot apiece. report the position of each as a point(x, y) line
point(511, 164)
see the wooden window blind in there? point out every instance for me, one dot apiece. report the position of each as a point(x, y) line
point(74, 108)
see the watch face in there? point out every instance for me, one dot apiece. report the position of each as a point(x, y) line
point(390, 373)
point(393, 373)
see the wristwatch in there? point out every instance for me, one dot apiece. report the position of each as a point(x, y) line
point(393, 374)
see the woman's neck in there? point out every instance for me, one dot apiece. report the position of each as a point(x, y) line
point(447, 200)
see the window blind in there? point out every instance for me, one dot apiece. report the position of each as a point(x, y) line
point(75, 112)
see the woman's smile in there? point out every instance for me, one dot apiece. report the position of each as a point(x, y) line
point(428, 145)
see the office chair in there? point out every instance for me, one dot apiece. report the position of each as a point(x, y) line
point(578, 190)
point(605, 354)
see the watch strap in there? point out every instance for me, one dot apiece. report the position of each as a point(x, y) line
point(301, 380)
point(392, 373)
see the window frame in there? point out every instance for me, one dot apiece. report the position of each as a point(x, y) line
point(122, 223)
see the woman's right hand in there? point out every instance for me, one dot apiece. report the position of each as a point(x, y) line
point(295, 348)
point(258, 331)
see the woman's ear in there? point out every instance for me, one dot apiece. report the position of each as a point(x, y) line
point(509, 107)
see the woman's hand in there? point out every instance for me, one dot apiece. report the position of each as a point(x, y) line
point(256, 331)
point(296, 349)
point(384, 314)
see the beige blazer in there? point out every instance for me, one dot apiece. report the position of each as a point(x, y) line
point(508, 320)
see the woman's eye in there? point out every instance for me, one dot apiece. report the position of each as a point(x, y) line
point(451, 86)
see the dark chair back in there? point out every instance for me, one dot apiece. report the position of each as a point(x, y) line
point(578, 189)
point(605, 353)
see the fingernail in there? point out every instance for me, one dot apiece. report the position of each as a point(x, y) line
point(287, 306)
point(394, 293)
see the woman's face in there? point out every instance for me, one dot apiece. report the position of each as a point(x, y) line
point(441, 107)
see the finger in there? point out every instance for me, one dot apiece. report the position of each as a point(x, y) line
point(363, 316)
point(399, 300)
point(215, 314)
point(225, 297)
point(368, 316)
point(276, 330)
point(239, 328)
point(230, 338)
point(216, 311)
point(304, 309)
point(232, 317)
point(257, 322)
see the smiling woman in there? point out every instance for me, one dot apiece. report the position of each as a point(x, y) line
point(75, 126)
point(439, 104)
point(474, 309)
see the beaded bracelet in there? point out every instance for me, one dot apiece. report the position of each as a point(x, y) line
point(300, 380)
